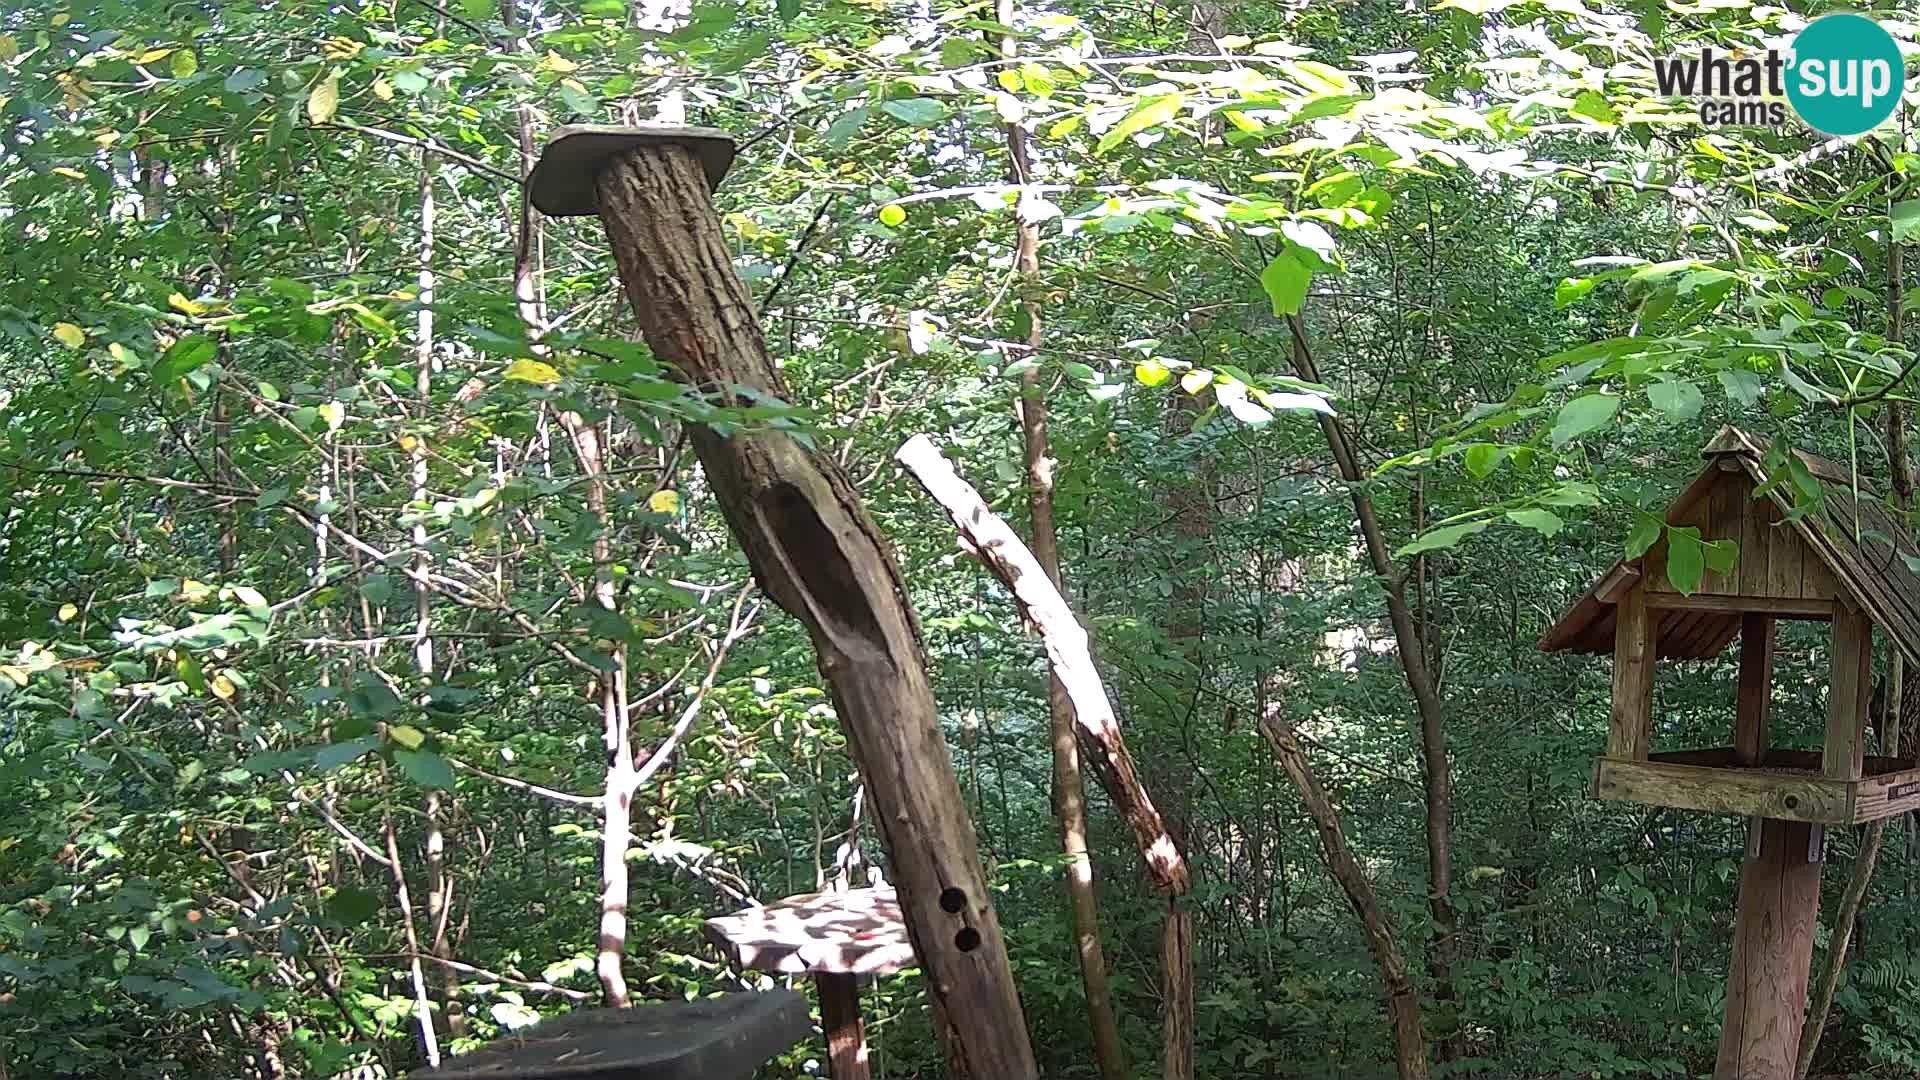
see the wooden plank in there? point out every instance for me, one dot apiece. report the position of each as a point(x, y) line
point(1785, 550)
point(1785, 606)
point(1755, 537)
point(1725, 512)
point(1636, 643)
point(1754, 698)
point(1798, 796)
point(1772, 954)
point(1886, 795)
point(1849, 687)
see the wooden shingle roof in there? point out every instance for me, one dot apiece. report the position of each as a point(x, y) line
point(1851, 550)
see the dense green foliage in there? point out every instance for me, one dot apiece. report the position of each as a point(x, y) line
point(1533, 291)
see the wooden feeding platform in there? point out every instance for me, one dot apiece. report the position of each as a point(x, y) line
point(723, 1038)
point(836, 937)
point(1843, 561)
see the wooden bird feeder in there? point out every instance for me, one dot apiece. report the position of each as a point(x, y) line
point(1841, 563)
point(837, 937)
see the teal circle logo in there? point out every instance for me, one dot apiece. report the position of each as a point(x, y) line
point(1845, 74)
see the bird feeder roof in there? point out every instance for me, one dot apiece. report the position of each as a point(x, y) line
point(1851, 549)
point(856, 932)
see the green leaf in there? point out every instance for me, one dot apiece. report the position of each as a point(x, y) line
point(917, 112)
point(604, 9)
point(1686, 559)
point(1482, 458)
point(370, 698)
point(1742, 385)
point(1544, 522)
point(1150, 112)
point(1442, 538)
point(1583, 414)
point(1906, 221)
point(1572, 289)
point(1679, 400)
point(352, 906)
point(332, 757)
point(1594, 106)
point(1645, 533)
point(187, 667)
point(1758, 221)
point(186, 355)
point(425, 768)
point(1721, 555)
point(1286, 279)
point(244, 80)
point(183, 63)
point(407, 735)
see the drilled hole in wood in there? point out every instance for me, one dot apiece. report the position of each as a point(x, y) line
point(967, 940)
point(952, 900)
point(1792, 802)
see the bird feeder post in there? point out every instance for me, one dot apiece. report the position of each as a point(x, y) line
point(846, 1031)
point(814, 550)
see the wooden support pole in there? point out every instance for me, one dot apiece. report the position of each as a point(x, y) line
point(817, 552)
point(846, 1032)
point(1849, 689)
point(1636, 642)
point(1756, 688)
point(1772, 952)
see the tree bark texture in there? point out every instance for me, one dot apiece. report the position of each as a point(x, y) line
point(815, 551)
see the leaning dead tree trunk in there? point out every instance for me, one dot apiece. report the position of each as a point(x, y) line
point(1403, 998)
point(815, 551)
point(999, 547)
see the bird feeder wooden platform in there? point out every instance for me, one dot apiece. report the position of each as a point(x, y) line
point(837, 937)
point(1844, 563)
point(725, 1038)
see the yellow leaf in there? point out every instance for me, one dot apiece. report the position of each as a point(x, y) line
point(407, 735)
point(61, 19)
point(324, 100)
point(533, 371)
point(1195, 381)
point(1151, 373)
point(408, 442)
point(1010, 80)
point(70, 335)
point(664, 502)
point(68, 612)
point(555, 62)
point(106, 139)
point(123, 354)
point(181, 303)
point(183, 64)
point(194, 592)
point(222, 687)
point(9, 47)
point(334, 413)
point(151, 55)
point(383, 90)
point(892, 215)
point(17, 675)
point(71, 174)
